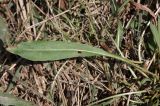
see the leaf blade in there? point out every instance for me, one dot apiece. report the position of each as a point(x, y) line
point(57, 50)
point(119, 34)
point(156, 34)
point(8, 99)
point(4, 33)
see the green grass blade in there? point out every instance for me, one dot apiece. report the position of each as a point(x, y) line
point(57, 50)
point(159, 25)
point(114, 6)
point(116, 96)
point(119, 34)
point(123, 6)
point(156, 34)
point(9, 100)
point(4, 33)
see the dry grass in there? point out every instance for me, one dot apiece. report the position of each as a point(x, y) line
point(81, 81)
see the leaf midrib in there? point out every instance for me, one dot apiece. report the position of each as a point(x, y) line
point(70, 50)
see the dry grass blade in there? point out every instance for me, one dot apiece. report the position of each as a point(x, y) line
point(139, 6)
point(103, 28)
point(116, 96)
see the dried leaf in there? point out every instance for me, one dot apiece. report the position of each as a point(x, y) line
point(139, 6)
point(62, 4)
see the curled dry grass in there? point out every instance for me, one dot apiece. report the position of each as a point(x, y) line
point(81, 81)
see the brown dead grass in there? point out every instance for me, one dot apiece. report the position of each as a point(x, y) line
point(77, 81)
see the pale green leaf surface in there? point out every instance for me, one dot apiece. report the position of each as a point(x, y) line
point(119, 34)
point(9, 100)
point(54, 50)
point(57, 50)
point(159, 24)
point(156, 34)
point(3, 30)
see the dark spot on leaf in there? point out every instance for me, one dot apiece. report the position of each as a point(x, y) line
point(79, 52)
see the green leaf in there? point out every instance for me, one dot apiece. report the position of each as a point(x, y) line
point(4, 34)
point(119, 34)
point(114, 6)
point(123, 6)
point(159, 24)
point(54, 50)
point(9, 100)
point(156, 34)
point(57, 50)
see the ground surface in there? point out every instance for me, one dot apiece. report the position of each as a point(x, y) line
point(80, 81)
